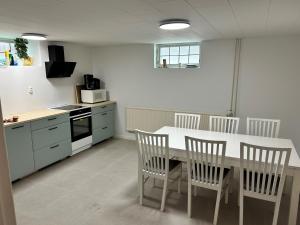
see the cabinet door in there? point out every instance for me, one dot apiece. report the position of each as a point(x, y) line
point(50, 135)
point(103, 119)
point(103, 126)
point(48, 155)
point(19, 150)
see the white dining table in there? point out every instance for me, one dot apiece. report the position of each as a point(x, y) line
point(232, 156)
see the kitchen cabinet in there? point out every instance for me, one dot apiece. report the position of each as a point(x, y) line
point(48, 155)
point(51, 140)
point(103, 122)
point(19, 150)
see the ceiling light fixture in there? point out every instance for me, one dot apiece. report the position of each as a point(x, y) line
point(174, 24)
point(34, 36)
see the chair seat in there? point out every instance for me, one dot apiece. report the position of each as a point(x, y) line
point(260, 177)
point(226, 172)
point(172, 163)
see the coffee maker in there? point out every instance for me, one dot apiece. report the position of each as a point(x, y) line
point(91, 83)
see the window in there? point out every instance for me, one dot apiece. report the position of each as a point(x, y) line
point(182, 55)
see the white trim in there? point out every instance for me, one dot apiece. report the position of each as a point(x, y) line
point(81, 145)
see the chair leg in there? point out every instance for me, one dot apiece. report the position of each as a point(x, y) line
point(226, 194)
point(153, 184)
point(179, 180)
point(164, 195)
point(231, 182)
point(189, 199)
point(276, 212)
point(141, 188)
point(217, 207)
point(195, 191)
point(241, 203)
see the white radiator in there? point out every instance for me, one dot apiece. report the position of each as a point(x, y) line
point(152, 119)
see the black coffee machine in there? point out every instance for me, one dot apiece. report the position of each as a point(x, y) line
point(90, 82)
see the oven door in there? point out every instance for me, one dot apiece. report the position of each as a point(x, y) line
point(81, 127)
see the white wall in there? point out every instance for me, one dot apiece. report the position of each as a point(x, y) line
point(128, 73)
point(269, 82)
point(14, 82)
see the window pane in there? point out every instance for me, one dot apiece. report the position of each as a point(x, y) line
point(2, 59)
point(194, 59)
point(174, 51)
point(184, 50)
point(173, 59)
point(183, 59)
point(194, 49)
point(164, 57)
point(164, 51)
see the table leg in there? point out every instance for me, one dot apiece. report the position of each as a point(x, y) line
point(294, 199)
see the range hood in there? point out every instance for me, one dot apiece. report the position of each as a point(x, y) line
point(57, 67)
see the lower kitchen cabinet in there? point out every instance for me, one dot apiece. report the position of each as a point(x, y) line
point(103, 123)
point(19, 150)
point(101, 134)
point(48, 155)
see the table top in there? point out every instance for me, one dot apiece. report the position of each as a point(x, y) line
point(177, 141)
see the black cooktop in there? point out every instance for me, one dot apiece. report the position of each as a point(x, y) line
point(69, 107)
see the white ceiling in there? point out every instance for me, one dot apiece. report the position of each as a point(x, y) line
point(101, 22)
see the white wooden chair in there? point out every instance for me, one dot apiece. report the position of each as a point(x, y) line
point(263, 127)
point(224, 124)
point(205, 163)
point(262, 174)
point(153, 156)
point(185, 120)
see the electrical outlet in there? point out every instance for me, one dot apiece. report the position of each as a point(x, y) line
point(30, 90)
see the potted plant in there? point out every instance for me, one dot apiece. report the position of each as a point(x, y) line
point(21, 47)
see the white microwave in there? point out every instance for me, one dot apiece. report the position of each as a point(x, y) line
point(93, 96)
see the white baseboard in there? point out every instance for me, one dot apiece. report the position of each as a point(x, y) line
point(126, 136)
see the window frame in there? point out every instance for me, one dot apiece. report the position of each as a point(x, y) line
point(10, 42)
point(177, 66)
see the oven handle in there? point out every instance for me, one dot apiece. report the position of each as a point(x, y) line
point(82, 117)
point(84, 114)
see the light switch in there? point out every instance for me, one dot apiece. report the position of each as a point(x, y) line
point(30, 90)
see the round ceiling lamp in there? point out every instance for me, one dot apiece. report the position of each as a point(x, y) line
point(174, 24)
point(34, 36)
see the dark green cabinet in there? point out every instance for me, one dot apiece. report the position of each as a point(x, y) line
point(19, 150)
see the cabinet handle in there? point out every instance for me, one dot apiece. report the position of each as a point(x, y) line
point(55, 146)
point(50, 119)
point(52, 128)
point(103, 128)
point(103, 114)
point(14, 128)
point(103, 107)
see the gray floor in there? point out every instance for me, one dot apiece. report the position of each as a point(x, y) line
point(99, 186)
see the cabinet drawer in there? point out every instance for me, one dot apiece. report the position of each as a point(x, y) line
point(49, 121)
point(49, 155)
point(101, 134)
point(103, 119)
point(53, 134)
point(19, 150)
point(104, 108)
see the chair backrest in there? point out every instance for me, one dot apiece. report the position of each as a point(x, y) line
point(224, 124)
point(190, 121)
point(263, 169)
point(205, 160)
point(263, 127)
point(153, 152)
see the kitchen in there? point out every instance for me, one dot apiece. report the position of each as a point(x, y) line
point(109, 73)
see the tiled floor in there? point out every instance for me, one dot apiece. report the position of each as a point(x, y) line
point(99, 187)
